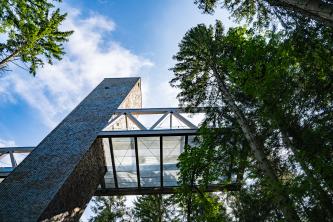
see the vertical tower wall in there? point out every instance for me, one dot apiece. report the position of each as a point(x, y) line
point(59, 177)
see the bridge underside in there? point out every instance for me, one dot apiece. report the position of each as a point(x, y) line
point(140, 157)
point(142, 164)
point(108, 145)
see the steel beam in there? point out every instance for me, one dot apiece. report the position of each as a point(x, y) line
point(159, 121)
point(161, 190)
point(158, 110)
point(16, 149)
point(137, 161)
point(136, 122)
point(161, 160)
point(185, 121)
point(113, 164)
point(129, 133)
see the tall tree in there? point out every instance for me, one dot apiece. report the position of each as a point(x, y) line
point(292, 81)
point(156, 208)
point(201, 67)
point(109, 209)
point(221, 157)
point(31, 33)
point(264, 11)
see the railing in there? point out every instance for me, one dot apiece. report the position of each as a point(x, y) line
point(10, 151)
point(126, 122)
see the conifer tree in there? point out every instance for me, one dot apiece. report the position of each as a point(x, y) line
point(110, 209)
point(263, 12)
point(156, 208)
point(275, 88)
point(31, 34)
point(200, 73)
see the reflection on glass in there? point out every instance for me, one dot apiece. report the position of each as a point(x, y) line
point(124, 155)
point(149, 161)
point(173, 146)
point(108, 178)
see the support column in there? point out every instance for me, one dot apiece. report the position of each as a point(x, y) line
point(59, 177)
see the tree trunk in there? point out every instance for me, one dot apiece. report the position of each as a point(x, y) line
point(242, 165)
point(9, 58)
point(257, 147)
point(189, 209)
point(315, 9)
point(160, 206)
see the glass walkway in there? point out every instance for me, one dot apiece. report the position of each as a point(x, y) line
point(141, 149)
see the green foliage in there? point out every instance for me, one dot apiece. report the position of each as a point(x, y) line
point(156, 208)
point(110, 209)
point(31, 31)
point(263, 13)
point(282, 82)
point(260, 12)
point(202, 207)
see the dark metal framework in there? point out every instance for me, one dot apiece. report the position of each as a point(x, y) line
point(135, 131)
point(113, 164)
point(5, 171)
point(139, 129)
point(160, 190)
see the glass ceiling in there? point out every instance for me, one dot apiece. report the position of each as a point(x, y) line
point(150, 161)
point(142, 147)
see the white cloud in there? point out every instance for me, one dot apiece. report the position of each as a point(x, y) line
point(5, 95)
point(90, 56)
point(7, 143)
point(170, 27)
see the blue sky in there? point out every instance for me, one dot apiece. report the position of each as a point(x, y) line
point(113, 38)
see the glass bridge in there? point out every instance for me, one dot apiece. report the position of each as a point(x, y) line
point(141, 149)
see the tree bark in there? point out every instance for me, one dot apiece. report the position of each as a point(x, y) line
point(160, 211)
point(257, 147)
point(9, 58)
point(316, 9)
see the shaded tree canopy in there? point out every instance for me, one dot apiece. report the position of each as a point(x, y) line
point(31, 35)
point(110, 209)
point(271, 116)
point(263, 12)
point(156, 208)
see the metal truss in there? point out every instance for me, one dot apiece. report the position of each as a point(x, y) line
point(4, 171)
point(130, 123)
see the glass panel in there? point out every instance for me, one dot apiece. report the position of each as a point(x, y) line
point(108, 178)
point(124, 153)
point(149, 161)
point(173, 146)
